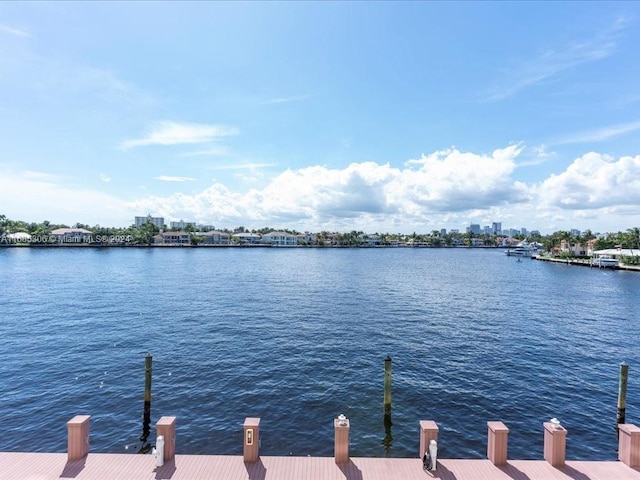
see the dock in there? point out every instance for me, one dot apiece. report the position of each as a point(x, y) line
point(105, 466)
point(164, 464)
point(583, 262)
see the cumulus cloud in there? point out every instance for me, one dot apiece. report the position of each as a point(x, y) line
point(436, 184)
point(215, 204)
point(444, 189)
point(594, 181)
point(455, 181)
point(173, 133)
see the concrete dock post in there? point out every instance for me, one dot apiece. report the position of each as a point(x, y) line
point(166, 427)
point(78, 437)
point(341, 441)
point(498, 436)
point(428, 432)
point(629, 445)
point(555, 444)
point(251, 442)
point(622, 392)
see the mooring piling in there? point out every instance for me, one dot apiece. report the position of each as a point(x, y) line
point(388, 437)
point(387, 385)
point(622, 392)
point(146, 418)
point(387, 441)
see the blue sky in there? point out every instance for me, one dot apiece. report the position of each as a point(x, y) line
point(373, 116)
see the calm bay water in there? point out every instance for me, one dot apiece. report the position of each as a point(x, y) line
point(298, 336)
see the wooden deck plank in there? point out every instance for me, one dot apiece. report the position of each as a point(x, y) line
point(54, 466)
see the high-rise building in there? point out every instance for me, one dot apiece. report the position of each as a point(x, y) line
point(157, 221)
point(496, 227)
point(182, 224)
point(474, 228)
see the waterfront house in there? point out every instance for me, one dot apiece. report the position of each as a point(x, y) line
point(71, 235)
point(370, 240)
point(280, 239)
point(214, 238)
point(246, 238)
point(330, 239)
point(307, 238)
point(573, 248)
point(172, 238)
point(18, 237)
point(509, 242)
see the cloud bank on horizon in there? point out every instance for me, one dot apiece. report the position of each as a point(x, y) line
point(322, 133)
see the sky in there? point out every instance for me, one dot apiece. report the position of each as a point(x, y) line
point(394, 117)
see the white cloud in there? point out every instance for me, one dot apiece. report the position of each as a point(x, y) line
point(214, 151)
point(105, 178)
point(293, 98)
point(536, 155)
point(14, 31)
point(594, 181)
point(173, 133)
point(43, 196)
point(243, 166)
point(444, 189)
point(601, 134)
point(455, 181)
point(380, 196)
point(167, 178)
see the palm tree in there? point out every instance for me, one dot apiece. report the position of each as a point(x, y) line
point(632, 237)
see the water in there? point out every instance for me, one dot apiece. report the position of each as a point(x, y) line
point(298, 336)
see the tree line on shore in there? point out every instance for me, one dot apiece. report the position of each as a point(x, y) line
point(144, 234)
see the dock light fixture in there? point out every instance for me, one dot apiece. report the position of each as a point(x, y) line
point(556, 423)
point(342, 420)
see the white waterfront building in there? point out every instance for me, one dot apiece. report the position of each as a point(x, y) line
point(280, 239)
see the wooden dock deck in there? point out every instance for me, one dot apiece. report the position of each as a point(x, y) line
point(106, 466)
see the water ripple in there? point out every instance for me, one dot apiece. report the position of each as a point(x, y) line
point(298, 336)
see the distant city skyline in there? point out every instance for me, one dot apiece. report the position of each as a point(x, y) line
point(335, 116)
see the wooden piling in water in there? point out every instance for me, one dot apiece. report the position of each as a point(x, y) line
point(146, 419)
point(622, 392)
point(387, 385)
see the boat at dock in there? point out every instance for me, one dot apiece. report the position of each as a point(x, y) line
point(523, 249)
point(604, 262)
point(611, 257)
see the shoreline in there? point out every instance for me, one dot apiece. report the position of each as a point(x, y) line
point(581, 262)
point(258, 245)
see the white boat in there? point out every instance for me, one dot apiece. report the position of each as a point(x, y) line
point(605, 262)
point(614, 257)
point(523, 249)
